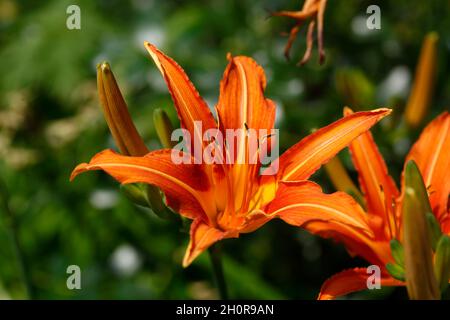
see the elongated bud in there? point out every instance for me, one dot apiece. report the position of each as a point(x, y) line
point(420, 279)
point(116, 114)
point(422, 89)
point(442, 262)
point(126, 138)
point(341, 180)
point(163, 128)
point(354, 88)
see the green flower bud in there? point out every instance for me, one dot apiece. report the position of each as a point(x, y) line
point(420, 279)
point(163, 128)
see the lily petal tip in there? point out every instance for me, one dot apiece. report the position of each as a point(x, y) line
point(188, 258)
point(82, 167)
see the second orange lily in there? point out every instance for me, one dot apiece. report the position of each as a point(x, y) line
point(384, 204)
point(226, 200)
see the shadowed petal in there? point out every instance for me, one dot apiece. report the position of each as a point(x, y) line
point(349, 281)
point(432, 155)
point(356, 242)
point(202, 237)
point(377, 185)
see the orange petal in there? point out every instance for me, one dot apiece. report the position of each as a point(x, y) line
point(377, 185)
point(431, 153)
point(301, 160)
point(185, 185)
point(445, 224)
point(356, 242)
point(298, 203)
point(242, 106)
point(349, 281)
point(242, 103)
point(202, 237)
point(190, 106)
point(337, 216)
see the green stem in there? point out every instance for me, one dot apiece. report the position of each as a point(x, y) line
point(11, 225)
point(216, 261)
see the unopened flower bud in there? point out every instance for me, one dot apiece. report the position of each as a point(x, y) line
point(420, 279)
point(422, 89)
point(116, 114)
point(163, 128)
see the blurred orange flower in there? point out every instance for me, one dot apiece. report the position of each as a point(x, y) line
point(312, 10)
point(225, 200)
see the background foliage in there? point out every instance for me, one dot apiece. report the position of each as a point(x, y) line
point(50, 121)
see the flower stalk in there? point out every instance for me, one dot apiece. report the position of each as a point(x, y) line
point(215, 255)
point(11, 224)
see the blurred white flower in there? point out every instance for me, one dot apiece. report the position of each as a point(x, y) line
point(103, 199)
point(396, 84)
point(125, 260)
point(151, 33)
point(359, 27)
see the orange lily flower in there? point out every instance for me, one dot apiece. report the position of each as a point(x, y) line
point(226, 200)
point(314, 11)
point(384, 204)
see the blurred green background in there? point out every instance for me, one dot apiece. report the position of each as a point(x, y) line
point(50, 121)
